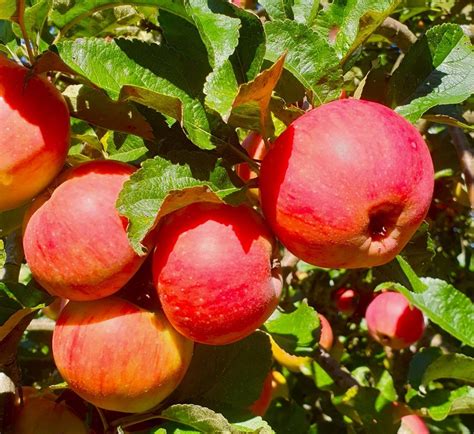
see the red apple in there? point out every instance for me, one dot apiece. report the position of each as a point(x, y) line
point(42, 415)
point(260, 406)
point(255, 147)
point(346, 300)
point(75, 241)
point(347, 184)
point(393, 322)
point(413, 424)
point(35, 134)
point(214, 272)
point(118, 356)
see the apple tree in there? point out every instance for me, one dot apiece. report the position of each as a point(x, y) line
point(242, 216)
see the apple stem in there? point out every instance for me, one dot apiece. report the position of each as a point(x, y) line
point(103, 419)
point(398, 33)
point(253, 165)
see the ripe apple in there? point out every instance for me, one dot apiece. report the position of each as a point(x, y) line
point(75, 241)
point(346, 300)
point(274, 386)
point(255, 147)
point(393, 322)
point(118, 356)
point(214, 272)
point(42, 415)
point(296, 363)
point(413, 424)
point(347, 184)
point(35, 134)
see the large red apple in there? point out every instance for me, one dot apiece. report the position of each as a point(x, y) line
point(118, 356)
point(35, 133)
point(214, 272)
point(393, 322)
point(413, 424)
point(42, 415)
point(75, 241)
point(347, 184)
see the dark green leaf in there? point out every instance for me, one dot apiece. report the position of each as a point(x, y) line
point(436, 71)
point(215, 377)
point(456, 366)
point(441, 403)
point(287, 417)
point(419, 363)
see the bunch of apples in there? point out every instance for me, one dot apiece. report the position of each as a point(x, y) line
point(346, 185)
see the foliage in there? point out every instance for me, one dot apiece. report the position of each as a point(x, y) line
point(172, 86)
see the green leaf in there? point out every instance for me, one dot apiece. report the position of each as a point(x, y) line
point(305, 11)
point(222, 85)
point(456, 366)
point(278, 9)
point(287, 417)
point(296, 332)
point(6, 32)
point(442, 403)
point(347, 23)
point(12, 219)
point(132, 63)
point(35, 17)
point(254, 425)
point(159, 188)
point(67, 13)
point(126, 148)
point(443, 304)
point(419, 363)
point(7, 9)
point(227, 378)
point(436, 71)
point(97, 108)
point(200, 418)
point(309, 58)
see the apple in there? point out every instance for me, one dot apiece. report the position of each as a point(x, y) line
point(347, 184)
point(346, 300)
point(42, 415)
point(297, 363)
point(35, 134)
point(255, 147)
point(118, 356)
point(393, 322)
point(413, 424)
point(75, 241)
point(274, 386)
point(214, 272)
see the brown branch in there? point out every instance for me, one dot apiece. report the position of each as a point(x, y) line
point(338, 373)
point(397, 33)
point(14, 253)
point(466, 158)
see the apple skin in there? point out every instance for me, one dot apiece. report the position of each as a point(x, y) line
point(392, 322)
point(214, 274)
point(35, 134)
point(255, 147)
point(42, 415)
point(295, 363)
point(118, 356)
point(260, 406)
point(346, 300)
point(347, 184)
point(75, 241)
point(413, 424)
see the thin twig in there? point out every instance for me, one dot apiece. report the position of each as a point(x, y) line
point(339, 374)
point(253, 165)
point(14, 253)
point(397, 33)
point(21, 23)
point(466, 159)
